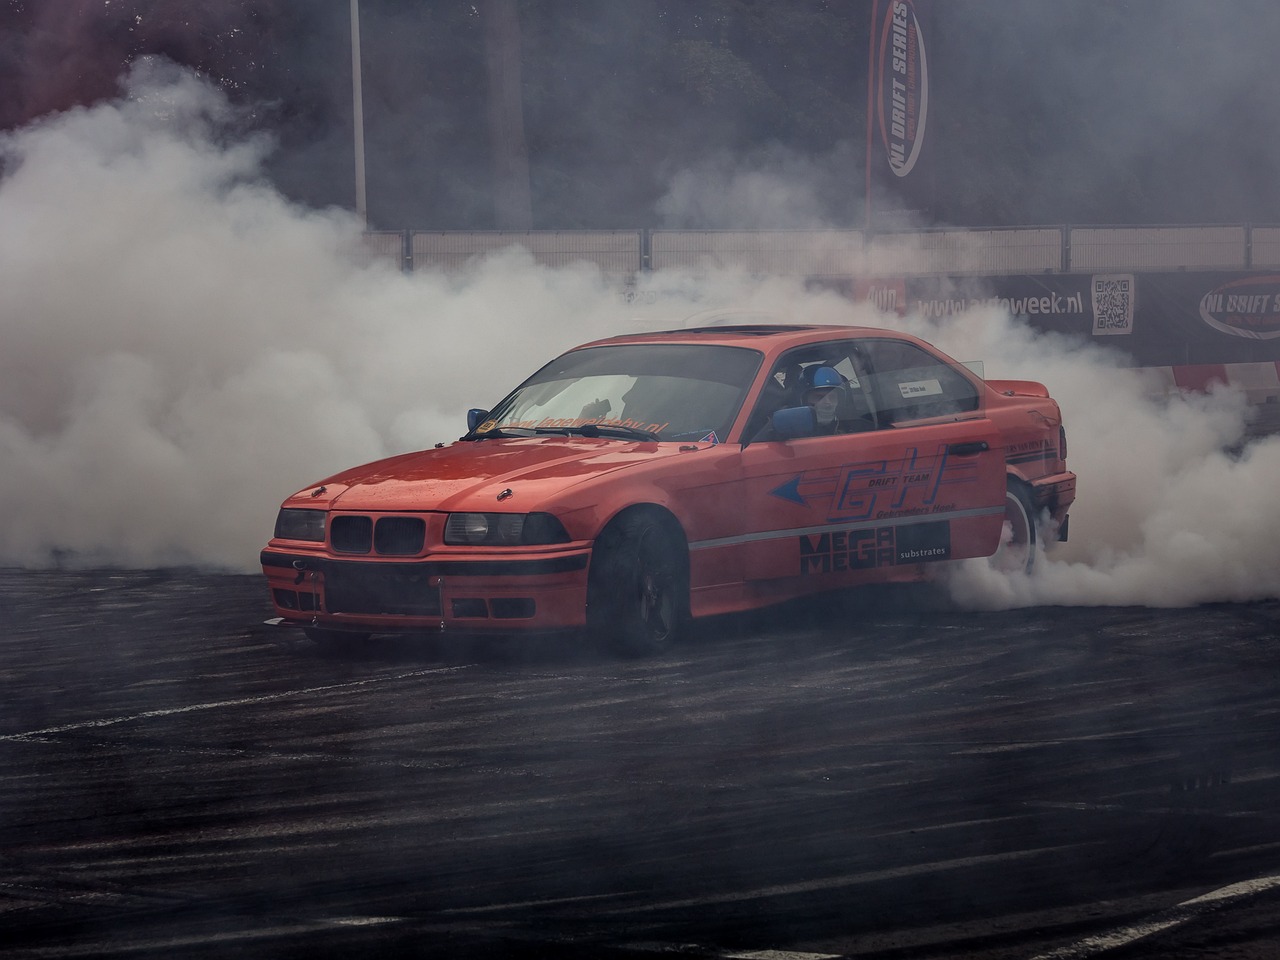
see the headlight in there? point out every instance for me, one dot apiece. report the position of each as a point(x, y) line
point(294, 524)
point(504, 529)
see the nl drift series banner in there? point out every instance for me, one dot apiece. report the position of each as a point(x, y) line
point(898, 84)
point(1159, 319)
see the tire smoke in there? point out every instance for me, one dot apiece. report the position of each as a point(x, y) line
point(183, 348)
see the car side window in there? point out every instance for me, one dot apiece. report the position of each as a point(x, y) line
point(773, 397)
point(792, 376)
point(912, 384)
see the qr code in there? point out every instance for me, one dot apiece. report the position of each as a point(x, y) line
point(1113, 304)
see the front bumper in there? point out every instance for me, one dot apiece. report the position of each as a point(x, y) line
point(506, 595)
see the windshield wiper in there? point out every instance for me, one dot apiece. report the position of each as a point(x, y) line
point(502, 433)
point(615, 431)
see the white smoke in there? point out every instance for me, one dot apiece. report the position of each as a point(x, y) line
point(1174, 508)
point(773, 188)
point(182, 348)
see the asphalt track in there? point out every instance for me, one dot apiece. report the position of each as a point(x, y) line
point(881, 777)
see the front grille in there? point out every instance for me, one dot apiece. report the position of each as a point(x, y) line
point(396, 589)
point(389, 537)
point(351, 534)
point(399, 536)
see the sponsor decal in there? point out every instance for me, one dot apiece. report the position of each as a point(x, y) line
point(1053, 297)
point(1248, 307)
point(1018, 306)
point(486, 426)
point(710, 438)
point(842, 550)
point(878, 490)
point(887, 296)
point(920, 388)
point(1033, 451)
point(902, 95)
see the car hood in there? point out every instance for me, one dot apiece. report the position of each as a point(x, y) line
point(470, 475)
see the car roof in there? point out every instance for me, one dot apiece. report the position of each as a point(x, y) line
point(757, 336)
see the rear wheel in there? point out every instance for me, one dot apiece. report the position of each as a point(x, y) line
point(1017, 549)
point(638, 595)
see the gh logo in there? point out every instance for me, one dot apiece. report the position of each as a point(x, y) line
point(886, 485)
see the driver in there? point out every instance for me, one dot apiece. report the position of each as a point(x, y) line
point(824, 395)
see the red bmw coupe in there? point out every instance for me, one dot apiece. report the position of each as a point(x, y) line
point(636, 482)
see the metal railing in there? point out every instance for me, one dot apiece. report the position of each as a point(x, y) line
point(833, 254)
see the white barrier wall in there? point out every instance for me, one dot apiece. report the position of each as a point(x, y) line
point(848, 254)
point(386, 246)
point(958, 252)
point(1265, 248)
point(803, 253)
point(1095, 249)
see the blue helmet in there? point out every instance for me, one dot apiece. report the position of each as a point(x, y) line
point(824, 378)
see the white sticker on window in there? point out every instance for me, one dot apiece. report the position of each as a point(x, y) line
point(920, 388)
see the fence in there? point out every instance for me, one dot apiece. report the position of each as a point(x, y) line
point(848, 254)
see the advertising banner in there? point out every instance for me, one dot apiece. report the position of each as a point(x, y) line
point(898, 86)
point(1158, 319)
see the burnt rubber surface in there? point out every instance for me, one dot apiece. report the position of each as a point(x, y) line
point(884, 777)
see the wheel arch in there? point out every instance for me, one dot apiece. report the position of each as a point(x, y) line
point(656, 511)
point(1040, 507)
point(1013, 473)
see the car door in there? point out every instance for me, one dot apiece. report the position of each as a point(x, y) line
point(925, 484)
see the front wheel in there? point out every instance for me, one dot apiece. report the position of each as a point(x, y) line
point(638, 595)
point(1017, 549)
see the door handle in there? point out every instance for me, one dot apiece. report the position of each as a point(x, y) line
point(968, 449)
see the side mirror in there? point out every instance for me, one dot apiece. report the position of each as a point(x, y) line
point(791, 422)
point(475, 417)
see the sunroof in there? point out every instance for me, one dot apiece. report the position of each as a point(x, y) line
point(755, 329)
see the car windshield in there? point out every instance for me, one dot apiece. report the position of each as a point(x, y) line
point(668, 391)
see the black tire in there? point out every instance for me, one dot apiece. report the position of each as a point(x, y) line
point(638, 592)
point(1018, 538)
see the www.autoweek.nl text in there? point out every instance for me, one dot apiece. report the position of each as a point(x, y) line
point(1048, 303)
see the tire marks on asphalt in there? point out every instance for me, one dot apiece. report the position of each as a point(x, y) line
point(100, 722)
point(1175, 916)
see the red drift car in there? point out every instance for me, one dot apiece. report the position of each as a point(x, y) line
point(636, 482)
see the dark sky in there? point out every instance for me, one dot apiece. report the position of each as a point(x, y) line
point(712, 113)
